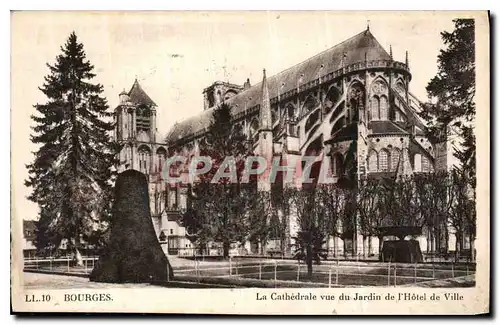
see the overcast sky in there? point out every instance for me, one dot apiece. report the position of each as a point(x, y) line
point(175, 55)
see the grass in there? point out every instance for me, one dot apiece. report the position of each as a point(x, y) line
point(262, 273)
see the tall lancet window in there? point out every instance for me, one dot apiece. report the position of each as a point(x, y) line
point(144, 159)
point(337, 165)
point(383, 160)
point(384, 112)
point(426, 164)
point(161, 154)
point(373, 161)
point(128, 155)
point(395, 155)
point(375, 104)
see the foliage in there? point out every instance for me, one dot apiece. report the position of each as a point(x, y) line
point(72, 173)
point(313, 225)
point(453, 89)
point(222, 204)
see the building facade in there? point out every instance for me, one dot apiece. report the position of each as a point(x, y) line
point(352, 99)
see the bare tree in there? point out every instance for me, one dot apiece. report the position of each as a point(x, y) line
point(435, 196)
point(369, 220)
point(310, 239)
point(331, 199)
point(463, 210)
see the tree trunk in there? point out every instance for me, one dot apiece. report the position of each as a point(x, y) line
point(380, 243)
point(354, 243)
point(472, 252)
point(225, 249)
point(364, 246)
point(309, 261)
point(370, 244)
point(447, 239)
point(429, 240)
point(327, 245)
point(335, 245)
point(78, 259)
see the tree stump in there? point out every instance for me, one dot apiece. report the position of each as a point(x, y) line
point(133, 253)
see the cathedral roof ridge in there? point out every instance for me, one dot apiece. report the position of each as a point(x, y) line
point(358, 48)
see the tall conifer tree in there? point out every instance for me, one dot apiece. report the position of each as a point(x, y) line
point(72, 172)
point(454, 88)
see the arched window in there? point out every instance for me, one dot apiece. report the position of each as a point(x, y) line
point(396, 154)
point(374, 105)
point(384, 114)
point(161, 153)
point(383, 160)
point(290, 111)
point(128, 154)
point(129, 123)
point(356, 96)
point(144, 159)
point(400, 88)
point(338, 164)
point(373, 161)
point(426, 165)
point(418, 162)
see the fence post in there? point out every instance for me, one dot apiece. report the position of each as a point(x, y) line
point(389, 273)
point(415, 273)
point(168, 274)
point(452, 271)
point(86, 264)
point(433, 271)
point(260, 270)
point(467, 271)
point(337, 273)
point(51, 263)
point(275, 271)
point(298, 272)
point(395, 266)
point(68, 264)
point(236, 267)
point(330, 277)
point(230, 266)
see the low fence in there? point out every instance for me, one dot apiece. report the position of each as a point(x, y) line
point(64, 264)
point(279, 273)
point(337, 273)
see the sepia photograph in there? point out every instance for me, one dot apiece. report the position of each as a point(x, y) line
point(264, 160)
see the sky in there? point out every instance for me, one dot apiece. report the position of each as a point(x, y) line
point(175, 55)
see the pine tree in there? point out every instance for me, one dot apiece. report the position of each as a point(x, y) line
point(223, 203)
point(453, 89)
point(71, 175)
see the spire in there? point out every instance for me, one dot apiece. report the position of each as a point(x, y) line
point(390, 51)
point(368, 25)
point(265, 107)
point(138, 95)
point(406, 60)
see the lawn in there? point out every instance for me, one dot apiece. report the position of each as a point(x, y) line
point(255, 272)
